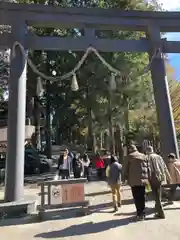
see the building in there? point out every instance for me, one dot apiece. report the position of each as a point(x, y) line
point(29, 129)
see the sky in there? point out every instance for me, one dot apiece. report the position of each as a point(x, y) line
point(170, 4)
point(173, 5)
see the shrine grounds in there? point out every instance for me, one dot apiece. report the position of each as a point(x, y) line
point(102, 223)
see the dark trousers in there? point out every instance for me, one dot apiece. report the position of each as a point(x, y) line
point(157, 195)
point(87, 173)
point(64, 173)
point(138, 193)
point(77, 173)
point(100, 173)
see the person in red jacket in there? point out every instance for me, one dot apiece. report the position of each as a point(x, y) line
point(99, 162)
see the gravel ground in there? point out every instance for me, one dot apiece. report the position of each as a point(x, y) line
point(101, 224)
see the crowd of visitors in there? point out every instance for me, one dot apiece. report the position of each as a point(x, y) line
point(140, 171)
point(80, 165)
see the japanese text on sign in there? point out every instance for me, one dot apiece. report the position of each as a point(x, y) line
point(72, 193)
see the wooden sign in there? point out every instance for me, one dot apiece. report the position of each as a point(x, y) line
point(56, 195)
point(72, 193)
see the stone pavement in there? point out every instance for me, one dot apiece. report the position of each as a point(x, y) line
point(101, 224)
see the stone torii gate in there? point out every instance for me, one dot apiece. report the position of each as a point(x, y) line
point(20, 16)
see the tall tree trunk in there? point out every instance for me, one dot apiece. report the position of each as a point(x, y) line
point(48, 114)
point(126, 120)
point(48, 123)
point(37, 115)
point(48, 104)
point(119, 143)
point(111, 129)
point(106, 141)
point(90, 140)
point(30, 108)
point(101, 139)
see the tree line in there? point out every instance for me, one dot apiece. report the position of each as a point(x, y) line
point(96, 115)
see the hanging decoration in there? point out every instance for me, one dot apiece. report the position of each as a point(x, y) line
point(74, 83)
point(112, 82)
point(72, 73)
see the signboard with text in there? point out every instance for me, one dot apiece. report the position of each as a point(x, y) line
point(72, 193)
point(68, 193)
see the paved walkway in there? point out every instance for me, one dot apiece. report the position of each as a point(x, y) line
point(101, 224)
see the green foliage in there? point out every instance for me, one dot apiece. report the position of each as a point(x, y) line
point(4, 72)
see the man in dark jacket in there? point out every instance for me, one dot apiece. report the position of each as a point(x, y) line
point(135, 171)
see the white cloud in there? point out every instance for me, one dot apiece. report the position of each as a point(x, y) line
point(170, 4)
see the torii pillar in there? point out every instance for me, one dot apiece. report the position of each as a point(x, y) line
point(167, 130)
point(14, 179)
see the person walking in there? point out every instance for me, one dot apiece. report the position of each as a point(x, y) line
point(174, 170)
point(85, 164)
point(135, 171)
point(114, 181)
point(158, 175)
point(77, 166)
point(100, 168)
point(64, 164)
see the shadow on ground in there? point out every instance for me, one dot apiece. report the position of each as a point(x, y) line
point(168, 207)
point(85, 228)
point(62, 214)
point(93, 194)
point(49, 215)
point(77, 212)
point(101, 206)
point(18, 221)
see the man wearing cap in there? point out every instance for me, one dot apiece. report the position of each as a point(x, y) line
point(135, 171)
point(158, 175)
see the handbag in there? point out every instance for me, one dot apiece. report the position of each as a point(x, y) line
point(148, 187)
point(107, 171)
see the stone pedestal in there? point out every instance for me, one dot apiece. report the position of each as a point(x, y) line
point(17, 209)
